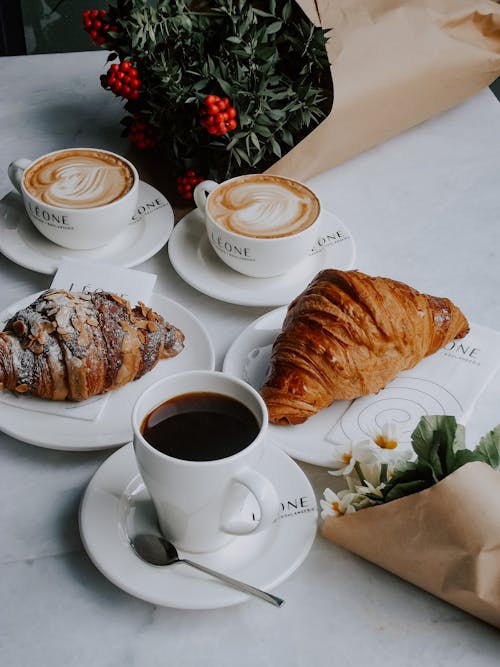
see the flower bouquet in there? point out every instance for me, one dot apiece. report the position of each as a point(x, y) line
point(220, 87)
point(429, 515)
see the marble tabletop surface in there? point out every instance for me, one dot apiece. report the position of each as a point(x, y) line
point(423, 208)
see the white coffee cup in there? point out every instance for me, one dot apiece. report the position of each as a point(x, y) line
point(79, 208)
point(261, 225)
point(198, 502)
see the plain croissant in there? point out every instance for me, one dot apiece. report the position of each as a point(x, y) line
point(74, 346)
point(348, 335)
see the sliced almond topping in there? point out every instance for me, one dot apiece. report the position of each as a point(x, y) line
point(22, 388)
point(19, 327)
point(152, 327)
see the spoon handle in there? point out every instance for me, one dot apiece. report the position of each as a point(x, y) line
point(240, 585)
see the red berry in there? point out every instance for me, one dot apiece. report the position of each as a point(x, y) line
point(114, 67)
point(210, 99)
point(94, 13)
point(231, 112)
point(213, 109)
point(135, 82)
point(132, 72)
point(86, 12)
point(93, 33)
point(97, 24)
point(134, 95)
point(125, 65)
point(232, 125)
point(100, 40)
point(126, 91)
point(87, 22)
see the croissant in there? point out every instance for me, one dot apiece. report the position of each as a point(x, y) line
point(76, 345)
point(349, 334)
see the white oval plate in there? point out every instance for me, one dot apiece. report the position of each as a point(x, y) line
point(113, 427)
point(116, 506)
point(248, 358)
point(192, 257)
point(146, 234)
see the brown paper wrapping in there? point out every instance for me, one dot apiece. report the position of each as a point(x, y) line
point(445, 539)
point(395, 63)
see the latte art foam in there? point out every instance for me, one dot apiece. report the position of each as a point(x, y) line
point(263, 206)
point(79, 179)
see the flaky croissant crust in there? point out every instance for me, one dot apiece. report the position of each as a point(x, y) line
point(76, 345)
point(349, 334)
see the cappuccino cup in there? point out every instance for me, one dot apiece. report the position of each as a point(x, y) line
point(260, 225)
point(198, 440)
point(78, 198)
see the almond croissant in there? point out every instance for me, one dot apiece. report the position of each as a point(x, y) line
point(74, 346)
point(348, 335)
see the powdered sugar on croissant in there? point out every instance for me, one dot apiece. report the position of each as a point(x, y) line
point(349, 334)
point(76, 345)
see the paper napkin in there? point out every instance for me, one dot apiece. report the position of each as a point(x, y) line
point(448, 382)
point(76, 275)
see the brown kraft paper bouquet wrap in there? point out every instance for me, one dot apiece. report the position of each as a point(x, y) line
point(444, 539)
point(395, 63)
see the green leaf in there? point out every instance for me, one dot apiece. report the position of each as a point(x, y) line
point(274, 27)
point(489, 448)
point(423, 437)
point(462, 457)
point(405, 489)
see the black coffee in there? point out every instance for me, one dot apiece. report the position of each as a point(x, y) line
point(200, 426)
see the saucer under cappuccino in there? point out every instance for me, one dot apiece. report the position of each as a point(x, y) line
point(263, 206)
point(79, 178)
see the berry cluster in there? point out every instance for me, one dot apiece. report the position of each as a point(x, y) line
point(217, 115)
point(97, 23)
point(142, 134)
point(123, 80)
point(187, 183)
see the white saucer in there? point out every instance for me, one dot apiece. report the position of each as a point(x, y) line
point(248, 358)
point(192, 257)
point(113, 427)
point(116, 506)
point(146, 234)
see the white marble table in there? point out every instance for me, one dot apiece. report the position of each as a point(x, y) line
point(423, 208)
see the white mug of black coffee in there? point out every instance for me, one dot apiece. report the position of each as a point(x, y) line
point(261, 225)
point(198, 440)
point(78, 198)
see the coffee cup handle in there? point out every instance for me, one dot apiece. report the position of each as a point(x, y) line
point(15, 171)
point(267, 498)
point(200, 193)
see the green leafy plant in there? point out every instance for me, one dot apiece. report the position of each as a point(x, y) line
point(439, 445)
point(376, 475)
point(265, 57)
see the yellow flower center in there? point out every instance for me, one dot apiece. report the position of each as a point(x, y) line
point(336, 506)
point(346, 458)
point(385, 443)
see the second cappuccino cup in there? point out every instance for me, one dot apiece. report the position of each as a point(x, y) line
point(261, 225)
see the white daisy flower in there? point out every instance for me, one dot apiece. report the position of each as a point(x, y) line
point(333, 504)
point(343, 461)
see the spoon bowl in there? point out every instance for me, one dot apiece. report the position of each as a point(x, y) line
point(158, 551)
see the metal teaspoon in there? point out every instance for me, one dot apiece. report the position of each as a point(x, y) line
point(156, 550)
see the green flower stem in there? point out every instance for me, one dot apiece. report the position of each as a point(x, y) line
point(357, 468)
point(383, 473)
